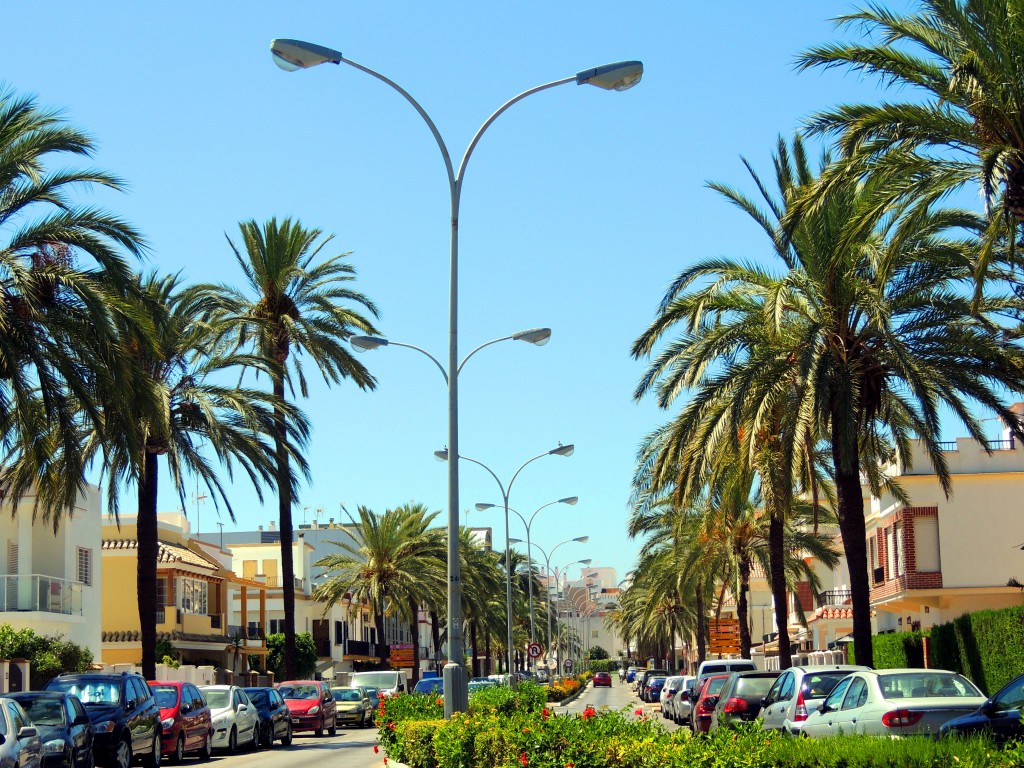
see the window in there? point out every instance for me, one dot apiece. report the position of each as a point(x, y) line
point(898, 535)
point(857, 695)
point(1012, 698)
point(193, 596)
point(249, 569)
point(161, 591)
point(17, 718)
point(873, 552)
point(926, 544)
point(339, 632)
point(276, 626)
point(836, 697)
point(85, 566)
point(12, 557)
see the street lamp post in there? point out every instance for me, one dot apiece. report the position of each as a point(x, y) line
point(571, 501)
point(561, 450)
point(292, 55)
point(559, 573)
point(547, 571)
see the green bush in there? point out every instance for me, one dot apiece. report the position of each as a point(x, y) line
point(50, 654)
point(601, 665)
point(986, 646)
point(896, 650)
point(305, 655)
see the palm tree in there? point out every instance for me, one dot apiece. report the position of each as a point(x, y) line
point(391, 561)
point(959, 118)
point(179, 404)
point(295, 305)
point(64, 279)
point(872, 329)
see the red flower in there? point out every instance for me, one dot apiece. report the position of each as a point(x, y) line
point(376, 749)
point(391, 726)
point(524, 759)
point(385, 761)
point(570, 765)
point(589, 712)
point(639, 712)
point(545, 713)
point(440, 701)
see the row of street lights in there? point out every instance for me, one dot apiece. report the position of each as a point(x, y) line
point(293, 55)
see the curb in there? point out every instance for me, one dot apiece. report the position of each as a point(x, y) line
point(570, 699)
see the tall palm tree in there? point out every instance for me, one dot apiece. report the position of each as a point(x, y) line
point(875, 330)
point(959, 116)
point(295, 304)
point(179, 405)
point(390, 561)
point(65, 278)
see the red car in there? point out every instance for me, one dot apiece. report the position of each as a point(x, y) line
point(705, 702)
point(602, 679)
point(185, 724)
point(311, 706)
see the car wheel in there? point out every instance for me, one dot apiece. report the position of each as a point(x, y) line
point(333, 730)
point(179, 749)
point(123, 754)
point(207, 751)
point(153, 760)
point(266, 736)
point(287, 740)
point(320, 730)
point(364, 721)
point(88, 760)
point(233, 741)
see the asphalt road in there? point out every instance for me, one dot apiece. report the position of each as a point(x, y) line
point(351, 748)
point(619, 696)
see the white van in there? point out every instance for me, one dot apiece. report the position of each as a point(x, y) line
point(388, 682)
point(724, 666)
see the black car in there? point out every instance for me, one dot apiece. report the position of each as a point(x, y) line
point(123, 712)
point(275, 722)
point(63, 725)
point(740, 699)
point(999, 716)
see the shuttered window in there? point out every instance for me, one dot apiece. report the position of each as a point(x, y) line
point(926, 544)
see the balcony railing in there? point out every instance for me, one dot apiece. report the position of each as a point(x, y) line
point(249, 633)
point(35, 592)
point(362, 648)
point(834, 597)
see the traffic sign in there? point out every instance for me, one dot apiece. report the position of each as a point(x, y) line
point(533, 650)
point(567, 664)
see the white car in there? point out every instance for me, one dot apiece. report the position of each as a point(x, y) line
point(669, 694)
point(235, 719)
point(797, 692)
point(893, 702)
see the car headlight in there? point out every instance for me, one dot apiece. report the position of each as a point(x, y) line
point(167, 723)
point(53, 747)
point(220, 720)
point(107, 726)
point(314, 711)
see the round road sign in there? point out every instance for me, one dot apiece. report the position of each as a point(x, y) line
point(567, 664)
point(533, 650)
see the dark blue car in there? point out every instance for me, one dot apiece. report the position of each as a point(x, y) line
point(652, 691)
point(430, 685)
point(64, 727)
point(999, 716)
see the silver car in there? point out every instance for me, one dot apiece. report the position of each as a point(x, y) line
point(669, 693)
point(894, 702)
point(799, 691)
point(21, 746)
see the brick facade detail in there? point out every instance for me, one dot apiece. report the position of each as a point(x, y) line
point(911, 578)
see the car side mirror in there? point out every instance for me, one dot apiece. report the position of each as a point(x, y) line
point(81, 720)
point(766, 701)
point(712, 701)
point(27, 732)
point(988, 707)
point(242, 708)
point(824, 708)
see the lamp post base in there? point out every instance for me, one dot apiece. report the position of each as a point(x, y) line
point(456, 689)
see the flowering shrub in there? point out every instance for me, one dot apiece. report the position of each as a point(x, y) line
point(564, 688)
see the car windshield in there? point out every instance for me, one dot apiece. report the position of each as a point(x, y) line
point(89, 692)
point(43, 711)
point(258, 697)
point(166, 696)
point(379, 680)
point(346, 694)
point(426, 686)
point(217, 698)
point(715, 685)
point(926, 685)
point(300, 691)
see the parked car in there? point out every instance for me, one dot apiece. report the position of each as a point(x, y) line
point(631, 675)
point(799, 691)
point(668, 695)
point(388, 682)
point(479, 683)
point(739, 701)
point(894, 702)
point(185, 721)
point(311, 705)
point(275, 719)
point(602, 679)
point(124, 715)
point(236, 722)
point(653, 688)
point(433, 685)
point(63, 726)
point(20, 746)
point(723, 667)
point(704, 700)
point(683, 704)
point(999, 716)
point(353, 705)
point(644, 678)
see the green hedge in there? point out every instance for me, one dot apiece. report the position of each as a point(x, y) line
point(986, 646)
point(895, 650)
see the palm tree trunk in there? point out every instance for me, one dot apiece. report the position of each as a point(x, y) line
point(487, 650)
point(382, 648)
point(850, 503)
point(475, 661)
point(742, 609)
point(777, 576)
point(284, 514)
point(414, 633)
point(148, 549)
point(702, 623)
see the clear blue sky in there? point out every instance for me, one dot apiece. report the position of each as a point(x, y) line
point(579, 205)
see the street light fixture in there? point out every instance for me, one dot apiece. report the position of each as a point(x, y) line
point(571, 501)
point(561, 450)
point(292, 55)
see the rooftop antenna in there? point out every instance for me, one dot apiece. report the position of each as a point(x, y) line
point(221, 534)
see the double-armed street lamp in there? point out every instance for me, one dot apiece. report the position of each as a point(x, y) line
point(292, 55)
point(561, 450)
point(571, 501)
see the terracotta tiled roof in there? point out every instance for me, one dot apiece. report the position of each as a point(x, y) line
point(833, 613)
point(133, 636)
point(167, 553)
